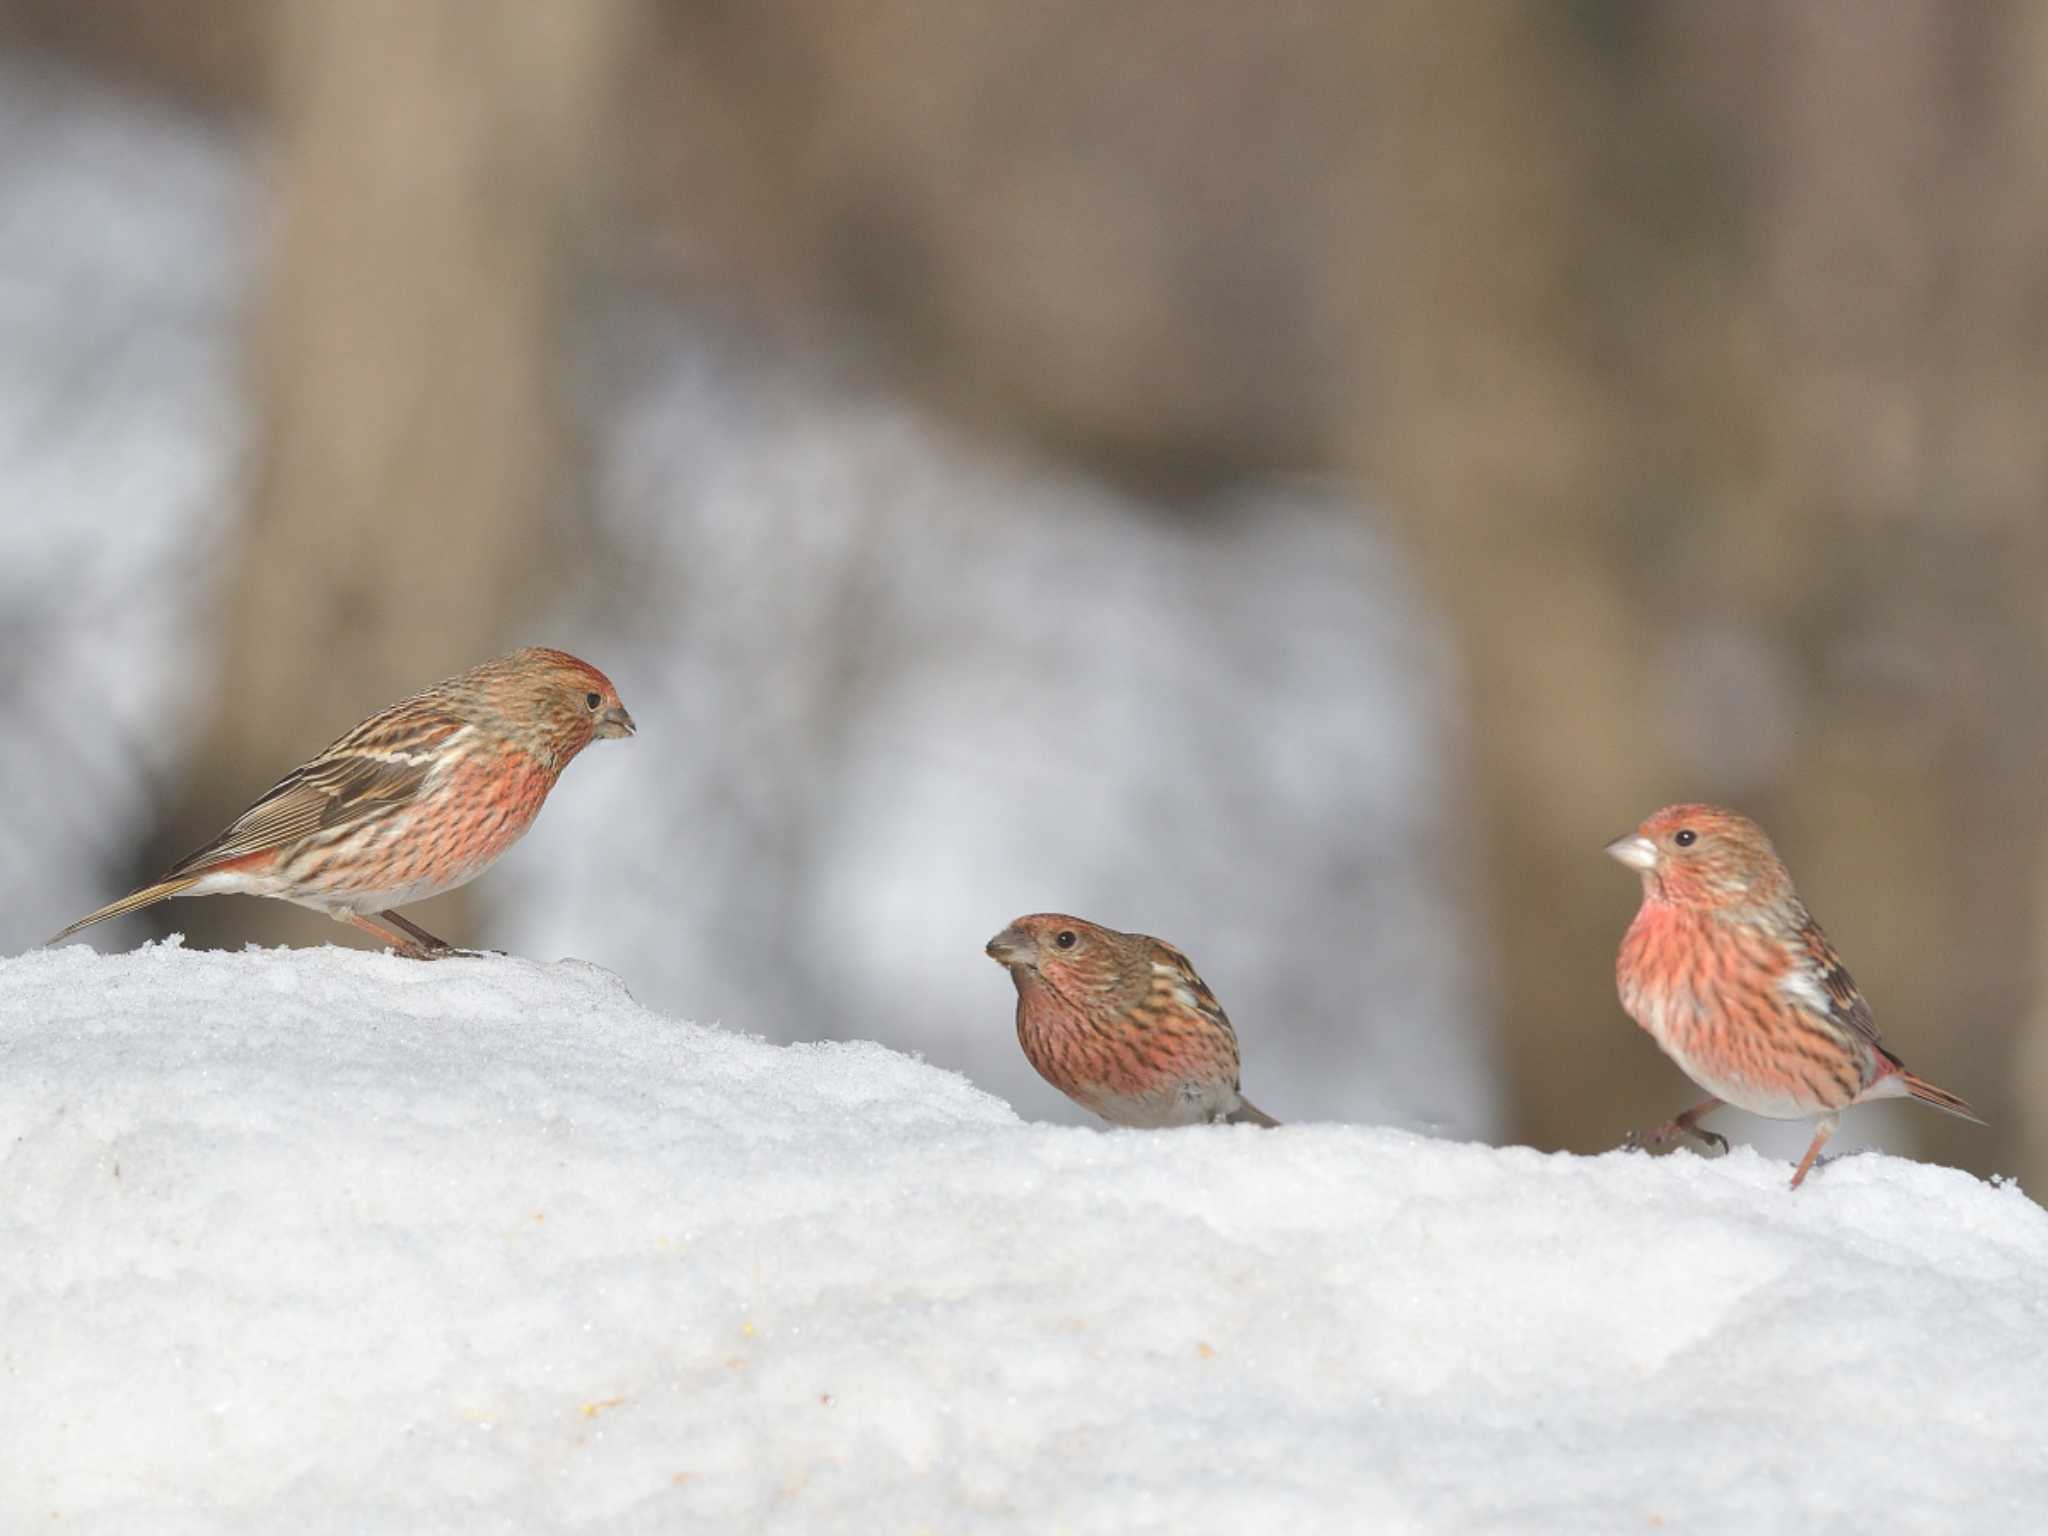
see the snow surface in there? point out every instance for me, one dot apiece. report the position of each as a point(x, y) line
point(329, 1241)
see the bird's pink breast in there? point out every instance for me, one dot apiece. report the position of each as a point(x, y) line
point(1142, 1060)
point(466, 818)
point(1710, 992)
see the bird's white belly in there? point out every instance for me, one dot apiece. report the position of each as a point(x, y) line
point(341, 906)
point(1190, 1104)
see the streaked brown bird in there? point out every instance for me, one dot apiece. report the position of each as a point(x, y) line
point(1730, 974)
point(1121, 1024)
point(418, 799)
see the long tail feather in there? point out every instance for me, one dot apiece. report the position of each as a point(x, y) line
point(1248, 1113)
point(134, 901)
point(1940, 1098)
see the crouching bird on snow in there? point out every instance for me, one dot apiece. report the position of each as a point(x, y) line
point(1121, 1024)
point(1730, 974)
point(418, 799)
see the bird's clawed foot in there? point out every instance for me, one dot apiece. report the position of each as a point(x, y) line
point(1670, 1131)
point(440, 951)
point(1686, 1124)
point(409, 939)
point(405, 945)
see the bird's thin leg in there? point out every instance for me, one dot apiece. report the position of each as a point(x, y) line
point(1821, 1132)
point(405, 924)
point(408, 939)
point(1686, 1124)
point(440, 946)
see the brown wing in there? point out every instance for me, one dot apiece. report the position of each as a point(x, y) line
point(1845, 999)
point(381, 763)
point(1173, 976)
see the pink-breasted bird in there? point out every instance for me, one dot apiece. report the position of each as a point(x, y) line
point(418, 799)
point(1730, 974)
point(1121, 1024)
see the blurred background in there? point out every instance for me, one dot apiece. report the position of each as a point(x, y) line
point(1292, 479)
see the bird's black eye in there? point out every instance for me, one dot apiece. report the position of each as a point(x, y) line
point(1066, 938)
point(592, 700)
point(1685, 837)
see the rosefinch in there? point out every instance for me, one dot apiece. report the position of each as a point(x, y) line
point(1121, 1024)
point(1730, 974)
point(416, 800)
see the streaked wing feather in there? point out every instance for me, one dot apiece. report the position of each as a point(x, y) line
point(1193, 991)
point(1845, 999)
point(365, 772)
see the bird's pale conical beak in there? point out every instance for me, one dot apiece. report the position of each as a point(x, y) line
point(1009, 948)
point(615, 722)
point(1635, 850)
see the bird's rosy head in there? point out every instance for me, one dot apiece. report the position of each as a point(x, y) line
point(1703, 855)
point(1078, 959)
point(559, 703)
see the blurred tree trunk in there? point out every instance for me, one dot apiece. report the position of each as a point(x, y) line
point(1901, 219)
point(1755, 519)
point(1490, 426)
point(1991, 410)
point(434, 160)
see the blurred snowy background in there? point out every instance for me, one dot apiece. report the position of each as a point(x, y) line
point(895, 686)
point(1295, 482)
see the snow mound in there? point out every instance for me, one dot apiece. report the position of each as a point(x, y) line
point(332, 1241)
